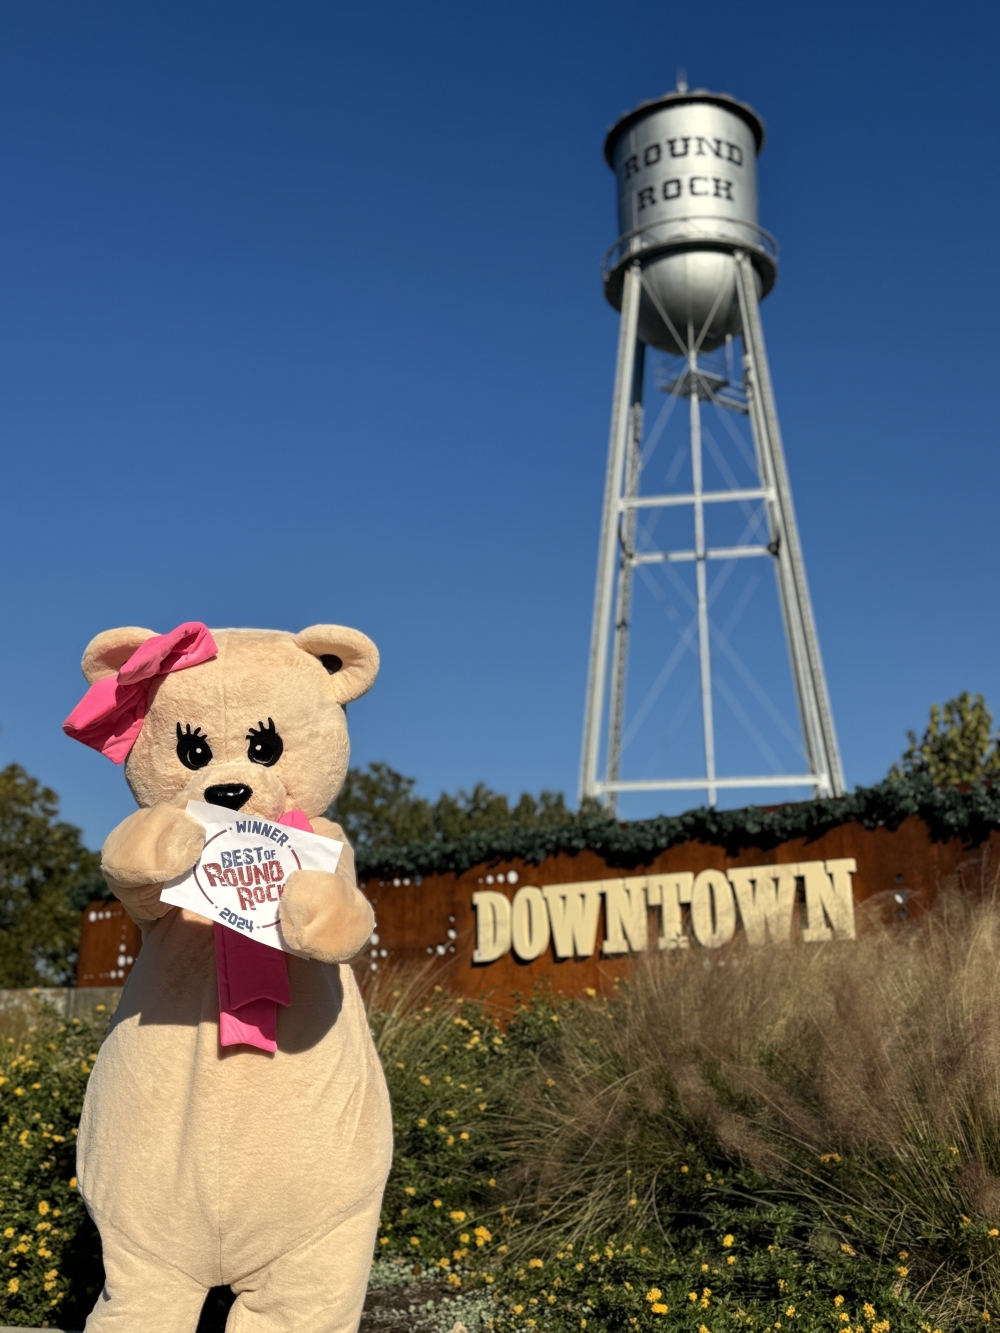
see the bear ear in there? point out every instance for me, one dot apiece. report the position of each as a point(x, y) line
point(348, 655)
point(106, 654)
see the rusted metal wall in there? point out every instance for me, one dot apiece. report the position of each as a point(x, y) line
point(109, 943)
point(434, 921)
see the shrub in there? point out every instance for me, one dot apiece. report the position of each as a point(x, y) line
point(46, 1240)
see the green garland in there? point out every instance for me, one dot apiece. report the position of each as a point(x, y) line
point(947, 811)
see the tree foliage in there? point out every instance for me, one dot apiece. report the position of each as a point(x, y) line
point(47, 876)
point(957, 746)
point(377, 808)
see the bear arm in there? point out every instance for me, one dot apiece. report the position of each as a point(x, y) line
point(142, 905)
point(144, 851)
point(325, 916)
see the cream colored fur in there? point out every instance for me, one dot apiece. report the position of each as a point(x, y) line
point(204, 1166)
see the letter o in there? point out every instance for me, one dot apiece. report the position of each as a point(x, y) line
point(529, 925)
point(229, 875)
point(713, 910)
point(648, 159)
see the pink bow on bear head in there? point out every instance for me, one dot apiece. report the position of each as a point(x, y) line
point(109, 717)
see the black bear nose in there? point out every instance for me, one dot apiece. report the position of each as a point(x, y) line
point(233, 795)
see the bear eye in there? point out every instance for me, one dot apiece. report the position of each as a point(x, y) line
point(193, 749)
point(265, 744)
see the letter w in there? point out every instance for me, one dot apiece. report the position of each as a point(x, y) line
point(573, 913)
point(766, 911)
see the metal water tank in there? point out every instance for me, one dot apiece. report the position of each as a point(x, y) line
point(686, 166)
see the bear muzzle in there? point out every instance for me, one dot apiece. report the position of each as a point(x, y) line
point(238, 785)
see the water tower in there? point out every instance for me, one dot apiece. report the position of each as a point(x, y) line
point(687, 273)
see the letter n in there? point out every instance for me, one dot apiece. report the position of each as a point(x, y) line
point(829, 896)
point(626, 924)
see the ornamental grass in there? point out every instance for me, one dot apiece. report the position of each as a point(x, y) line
point(806, 1133)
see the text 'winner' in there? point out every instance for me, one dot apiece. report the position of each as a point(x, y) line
point(241, 874)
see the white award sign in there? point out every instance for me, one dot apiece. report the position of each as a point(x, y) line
point(241, 874)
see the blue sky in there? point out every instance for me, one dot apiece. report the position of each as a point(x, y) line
point(300, 320)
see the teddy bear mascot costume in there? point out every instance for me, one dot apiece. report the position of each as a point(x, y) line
point(236, 1128)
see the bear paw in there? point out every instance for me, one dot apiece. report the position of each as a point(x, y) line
point(151, 847)
point(324, 917)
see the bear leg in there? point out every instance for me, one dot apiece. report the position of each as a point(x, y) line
point(143, 1292)
point(319, 1287)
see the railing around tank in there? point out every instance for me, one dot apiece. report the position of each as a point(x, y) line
point(637, 241)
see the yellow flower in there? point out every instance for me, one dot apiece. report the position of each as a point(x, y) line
point(727, 1241)
point(845, 1317)
point(421, 1123)
point(72, 1182)
point(790, 1311)
point(903, 1271)
point(53, 1272)
point(415, 1240)
point(684, 1170)
point(868, 1310)
point(457, 1216)
point(454, 1280)
point(659, 1308)
point(436, 1203)
point(589, 992)
point(492, 1183)
point(18, 1092)
point(904, 1255)
point(444, 1263)
point(993, 1232)
point(838, 1300)
point(518, 1309)
point(653, 1294)
point(966, 1221)
point(463, 1135)
point(383, 1240)
point(43, 1207)
point(13, 1285)
point(482, 1236)
point(847, 1249)
point(425, 1080)
point(535, 1263)
point(692, 1295)
point(8, 1232)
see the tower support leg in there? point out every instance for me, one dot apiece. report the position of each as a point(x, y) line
point(701, 577)
point(803, 643)
point(622, 420)
point(623, 606)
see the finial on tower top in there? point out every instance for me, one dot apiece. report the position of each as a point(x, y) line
point(682, 80)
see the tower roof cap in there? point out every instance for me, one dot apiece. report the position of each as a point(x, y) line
point(678, 98)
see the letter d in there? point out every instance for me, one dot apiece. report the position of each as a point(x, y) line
point(492, 925)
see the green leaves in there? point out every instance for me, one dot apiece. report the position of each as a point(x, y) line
point(47, 876)
point(957, 747)
point(377, 808)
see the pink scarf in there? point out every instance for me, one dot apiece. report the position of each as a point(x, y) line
point(253, 978)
